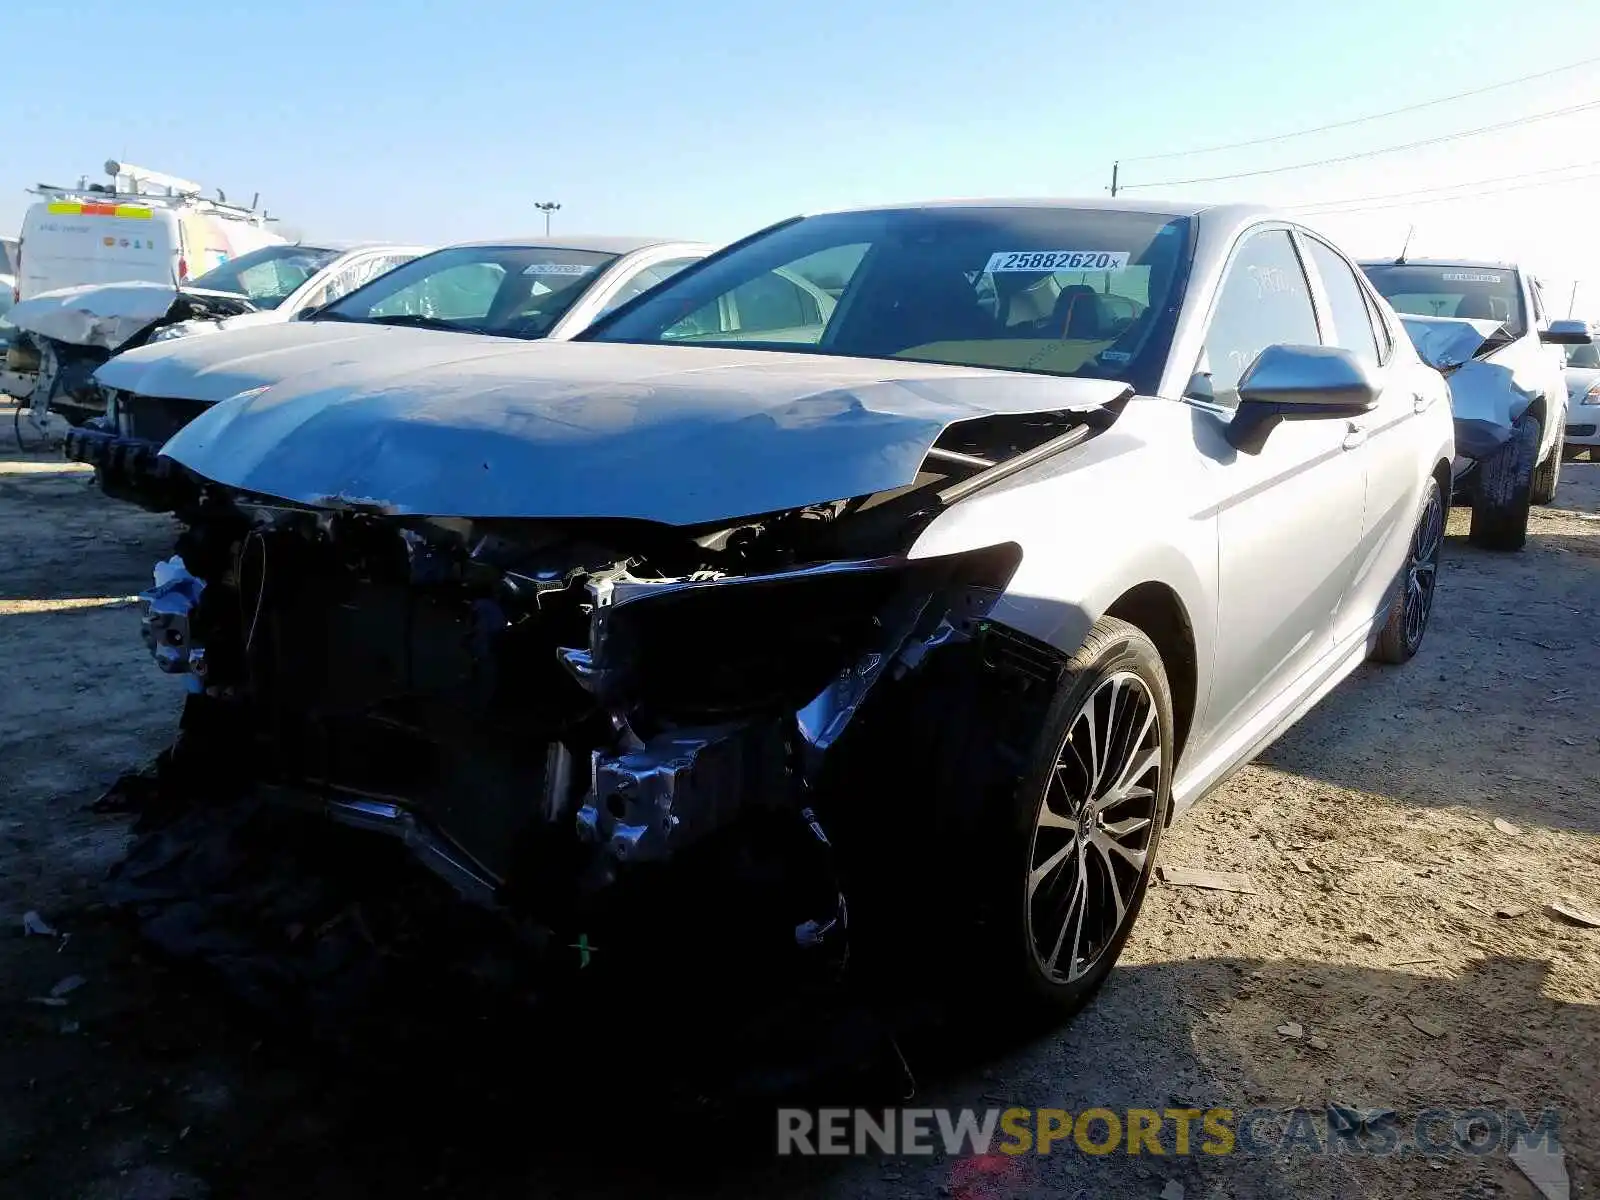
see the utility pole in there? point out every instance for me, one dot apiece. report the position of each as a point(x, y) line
point(1114, 167)
point(547, 207)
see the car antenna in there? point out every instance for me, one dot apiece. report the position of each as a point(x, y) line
point(1400, 259)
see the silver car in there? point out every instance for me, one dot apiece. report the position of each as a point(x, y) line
point(972, 540)
point(1503, 354)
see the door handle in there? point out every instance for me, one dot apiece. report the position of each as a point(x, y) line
point(1420, 403)
point(1354, 436)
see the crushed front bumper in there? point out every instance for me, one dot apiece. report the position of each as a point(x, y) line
point(1478, 439)
point(129, 468)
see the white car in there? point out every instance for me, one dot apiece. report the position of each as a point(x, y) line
point(11, 384)
point(1508, 438)
point(475, 296)
point(1583, 401)
point(9, 254)
point(71, 331)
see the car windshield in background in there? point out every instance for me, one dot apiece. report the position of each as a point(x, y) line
point(1057, 291)
point(1583, 356)
point(1441, 290)
point(268, 276)
point(507, 291)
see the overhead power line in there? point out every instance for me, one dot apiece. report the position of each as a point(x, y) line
point(1443, 187)
point(1343, 158)
point(1393, 112)
point(1515, 187)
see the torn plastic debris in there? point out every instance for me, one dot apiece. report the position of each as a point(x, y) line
point(165, 625)
point(33, 925)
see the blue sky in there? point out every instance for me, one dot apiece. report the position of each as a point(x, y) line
point(447, 120)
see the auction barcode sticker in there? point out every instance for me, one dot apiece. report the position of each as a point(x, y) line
point(1470, 277)
point(1057, 260)
point(558, 269)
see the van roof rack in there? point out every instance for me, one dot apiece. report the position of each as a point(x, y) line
point(130, 183)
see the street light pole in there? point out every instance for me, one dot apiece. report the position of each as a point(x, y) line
point(547, 207)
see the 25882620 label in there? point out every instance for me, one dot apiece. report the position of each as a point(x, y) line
point(1057, 260)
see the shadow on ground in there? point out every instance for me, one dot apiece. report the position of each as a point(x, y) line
point(158, 1082)
point(64, 540)
point(1497, 711)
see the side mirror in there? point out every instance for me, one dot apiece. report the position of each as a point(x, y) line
point(1566, 332)
point(1298, 383)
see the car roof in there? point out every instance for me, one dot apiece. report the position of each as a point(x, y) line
point(344, 247)
point(599, 244)
point(1161, 208)
point(1472, 263)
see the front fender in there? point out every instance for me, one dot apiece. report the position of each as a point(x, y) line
point(1095, 523)
point(1487, 403)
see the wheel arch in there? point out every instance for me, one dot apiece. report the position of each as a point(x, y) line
point(1159, 613)
point(1539, 409)
point(1441, 473)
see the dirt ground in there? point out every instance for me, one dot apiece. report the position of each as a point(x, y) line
point(1397, 953)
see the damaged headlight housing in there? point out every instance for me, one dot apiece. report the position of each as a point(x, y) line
point(183, 329)
point(707, 650)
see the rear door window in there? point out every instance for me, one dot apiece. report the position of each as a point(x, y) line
point(1352, 322)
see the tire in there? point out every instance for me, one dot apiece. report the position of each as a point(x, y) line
point(1505, 491)
point(1411, 602)
point(1547, 475)
point(1116, 671)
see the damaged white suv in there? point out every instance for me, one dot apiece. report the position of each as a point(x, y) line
point(1484, 326)
point(984, 537)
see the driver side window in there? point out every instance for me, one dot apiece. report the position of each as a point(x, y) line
point(1264, 302)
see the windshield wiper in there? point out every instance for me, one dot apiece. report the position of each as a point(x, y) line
point(417, 321)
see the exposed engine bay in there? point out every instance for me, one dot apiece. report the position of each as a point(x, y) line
point(62, 344)
point(549, 712)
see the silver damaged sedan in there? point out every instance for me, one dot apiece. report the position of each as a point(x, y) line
point(968, 542)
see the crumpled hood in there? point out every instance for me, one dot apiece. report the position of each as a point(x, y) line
point(675, 434)
point(223, 364)
point(1445, 342)
point(1485, 398)
point(106, 314)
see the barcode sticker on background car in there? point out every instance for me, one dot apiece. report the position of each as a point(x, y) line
point(1469, 277)
point(1057, 260)
point(558, 269)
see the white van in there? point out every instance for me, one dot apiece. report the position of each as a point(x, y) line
point(143, 226)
